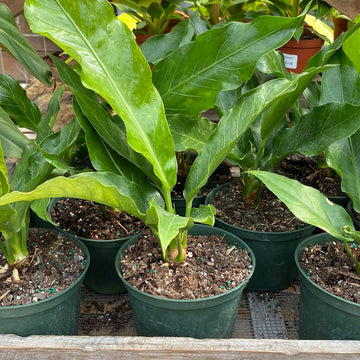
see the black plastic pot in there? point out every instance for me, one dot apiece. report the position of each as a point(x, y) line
point(101, 276)
point(324, 316)
point(274, 253)
point(212, 317)
point(56, 315)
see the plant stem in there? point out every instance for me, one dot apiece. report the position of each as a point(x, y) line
point(295, 8)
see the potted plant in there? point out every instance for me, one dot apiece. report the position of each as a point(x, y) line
point(139, 133)
point(36, 296)
point(263, 147)
point(307, 42)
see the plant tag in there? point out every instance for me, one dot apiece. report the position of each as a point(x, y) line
point(290, 61)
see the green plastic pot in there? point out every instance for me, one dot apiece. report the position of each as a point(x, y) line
point(101, 276)
point(56, 315)
point(324, 316)
point(274, 252)
point(212, 317)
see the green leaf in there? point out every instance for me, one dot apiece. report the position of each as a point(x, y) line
point(4, 184)
point(105, 188)
point(319, 129)
point(204, 214)
point(102, 48)
point(190, 133)
point(166, 225)
point(13, 41)
point(344, 157)
point(14, 101)
point(12, 139)
point(230, 128)
point(158, 47)
point(351, 48)
point(228, 57)
point(307, 203)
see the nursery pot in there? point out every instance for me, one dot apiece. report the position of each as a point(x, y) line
point(351, 212)
point(56, 315)
point(101, 276)
point(274, 252)
point(212, 317)
point(296, 54)
point(324, 316)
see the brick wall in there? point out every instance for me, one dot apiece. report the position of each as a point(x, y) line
point(42, 45)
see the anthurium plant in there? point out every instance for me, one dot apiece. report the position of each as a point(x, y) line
point(157, 112)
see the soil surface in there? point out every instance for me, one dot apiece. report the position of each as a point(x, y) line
point(212, 267)
point(332, 268)
point(306, 170)
point(94, 221)
point(270, 216)
point(54, 263)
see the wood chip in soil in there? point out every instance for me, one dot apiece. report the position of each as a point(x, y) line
point(332, 268)
point(54, 263)
point(211, 268)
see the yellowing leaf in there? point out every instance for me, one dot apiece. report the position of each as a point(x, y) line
point(128, 20)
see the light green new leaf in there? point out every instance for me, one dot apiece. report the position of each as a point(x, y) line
point(14, 101)
point(307, 204)
point(190, 133)
point(4, 184)
point(351, 48)
point(113, 66)
point(204, 214)
point(14, 42)
point(344, 157)
point(13, 140)
point(166, 225)
point(221, 59)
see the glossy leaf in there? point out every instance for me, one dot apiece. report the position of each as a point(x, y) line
point(228, 57)
point(230, 128)
point(12, 139)
point(14, 42)
point(307, 204)
point(344, 157)
point(110, 129)
point(14, 101)
point(105, 188)
point(319, 129)
point(102, 48)
point(190, 133)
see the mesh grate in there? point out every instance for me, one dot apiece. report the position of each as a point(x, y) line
point(260, 316)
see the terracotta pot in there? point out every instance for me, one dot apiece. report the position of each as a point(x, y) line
point(340, 26)
point(297, 54)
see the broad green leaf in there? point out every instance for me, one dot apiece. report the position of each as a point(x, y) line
point(204, 214)
point(345, 77)
point(273, 63)
point(110, 129)
point(307, 203)
point(14, 101)
point(14, 42)
point(102, 156)
point(190, 133)
point(105, 188)
point(32, 169)
point(158, 47)
point(230, 128)
point(318, 129)
point(113, 66)
point(12, 139)
point(55, 145)
point(228, 57)
point(351, 48)
point(166, 225)
point(344, 157)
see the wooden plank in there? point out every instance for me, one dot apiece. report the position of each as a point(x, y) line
point(78, 347)
point(350, 8)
